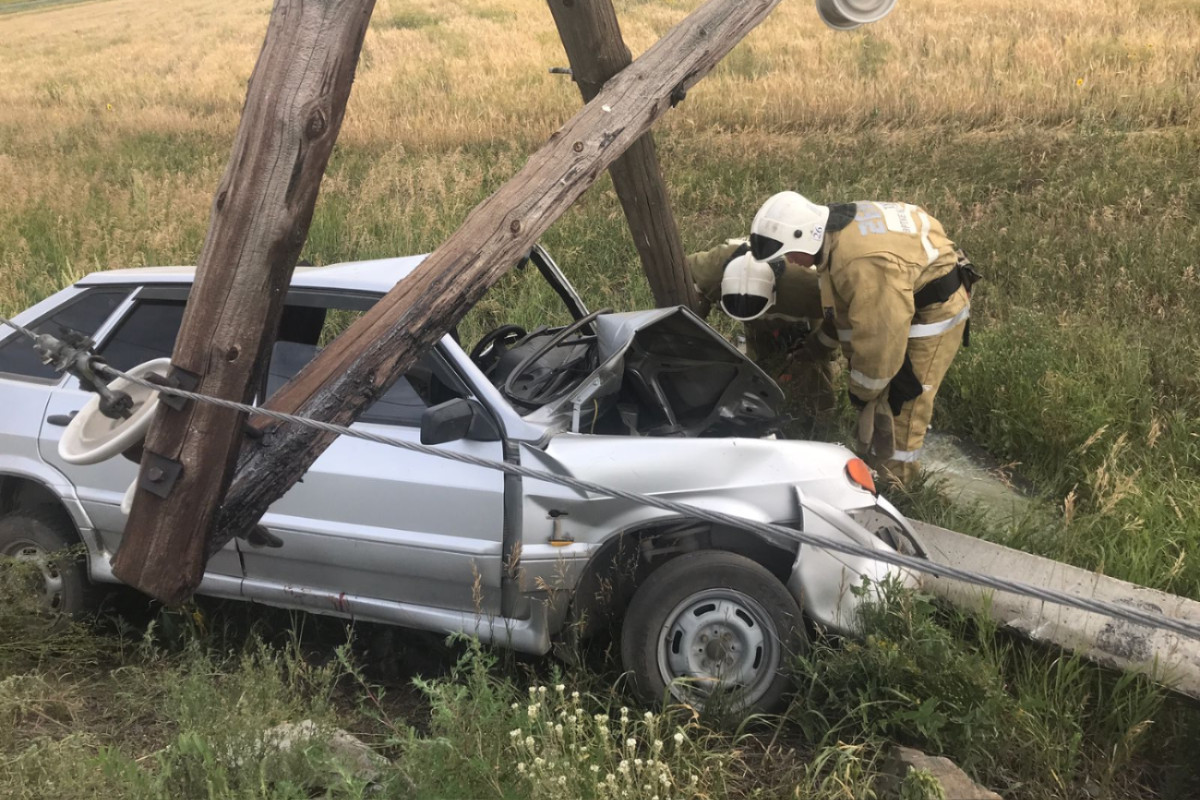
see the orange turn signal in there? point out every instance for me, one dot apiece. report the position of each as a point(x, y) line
point(860, 474)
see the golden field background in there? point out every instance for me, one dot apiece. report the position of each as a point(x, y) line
point(438, 78)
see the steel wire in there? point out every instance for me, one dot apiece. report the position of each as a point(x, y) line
point(1126, 613)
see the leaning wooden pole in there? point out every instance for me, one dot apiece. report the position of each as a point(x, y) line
point(260, 217)
point(372, 353)
point(592, 38)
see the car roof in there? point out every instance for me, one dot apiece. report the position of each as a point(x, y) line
point(378, 276)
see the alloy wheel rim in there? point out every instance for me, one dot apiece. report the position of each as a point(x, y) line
point(719, 639)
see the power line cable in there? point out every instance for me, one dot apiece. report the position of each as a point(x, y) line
point(1114, 610)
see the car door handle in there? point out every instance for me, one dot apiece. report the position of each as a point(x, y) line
point(61, 420)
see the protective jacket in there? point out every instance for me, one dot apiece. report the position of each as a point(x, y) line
point(890, 282)
point(797, 294)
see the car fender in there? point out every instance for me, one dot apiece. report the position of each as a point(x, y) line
point(825, 581)
point(51, 479)
point(63, 490)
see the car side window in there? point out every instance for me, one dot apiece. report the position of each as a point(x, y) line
point(428, 383)
point(84, 314)
point(147, 332)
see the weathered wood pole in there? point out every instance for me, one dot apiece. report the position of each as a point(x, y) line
point(260, 217)
point(592, 38)
point(373, 352)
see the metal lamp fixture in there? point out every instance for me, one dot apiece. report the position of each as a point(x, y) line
point(844, 15)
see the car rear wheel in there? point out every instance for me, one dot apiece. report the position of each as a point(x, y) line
point(712, 627)
point(58, 580)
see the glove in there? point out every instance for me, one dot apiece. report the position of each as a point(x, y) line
point(812, 348)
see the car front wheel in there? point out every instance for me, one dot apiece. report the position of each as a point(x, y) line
point(712, 626)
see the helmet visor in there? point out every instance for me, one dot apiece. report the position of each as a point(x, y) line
point(744, 307)
point(764, 247)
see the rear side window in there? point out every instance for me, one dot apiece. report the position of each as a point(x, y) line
point(85, 314)
point(147, 332)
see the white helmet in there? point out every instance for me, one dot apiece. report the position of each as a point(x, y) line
point(747, 288)
point(787, 223)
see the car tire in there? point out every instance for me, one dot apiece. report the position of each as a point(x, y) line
point(704, 618)
point(44, 534)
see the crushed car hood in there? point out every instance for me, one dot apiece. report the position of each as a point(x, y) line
point(665, 372)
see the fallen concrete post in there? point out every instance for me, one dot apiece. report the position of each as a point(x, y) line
point(1169, 658)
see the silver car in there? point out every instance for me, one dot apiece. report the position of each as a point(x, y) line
point(654, 402)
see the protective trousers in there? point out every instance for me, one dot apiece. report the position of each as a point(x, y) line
point(930, 357)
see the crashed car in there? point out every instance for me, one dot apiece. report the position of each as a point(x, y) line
point(654, 402)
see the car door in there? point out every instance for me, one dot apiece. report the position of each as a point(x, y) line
point(370, 522)
point(146, 330)
point(26, 384)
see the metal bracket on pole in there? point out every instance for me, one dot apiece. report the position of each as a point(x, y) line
point(159, 474)
point(176, 379)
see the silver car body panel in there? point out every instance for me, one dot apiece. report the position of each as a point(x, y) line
point(383, 534)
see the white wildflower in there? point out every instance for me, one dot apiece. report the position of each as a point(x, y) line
point(658, 745)
point(521, 768)
point(679, 738)
point(532, 710)
point(558, 687)
point(631, 743)
point(529, 742)
point(514, 733)
point(648, 716)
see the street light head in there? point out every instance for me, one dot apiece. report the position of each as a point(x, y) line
point(844, 15)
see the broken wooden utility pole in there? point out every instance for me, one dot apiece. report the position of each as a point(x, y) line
point(592, 38)
point(378, 348)
point(260, 217)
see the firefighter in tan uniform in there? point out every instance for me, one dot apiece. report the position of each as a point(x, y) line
point(896, 290)
point(779, 304)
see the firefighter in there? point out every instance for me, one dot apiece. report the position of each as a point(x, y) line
point(779, 304)
point(895, 292)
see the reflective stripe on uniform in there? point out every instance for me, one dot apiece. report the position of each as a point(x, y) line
point(930, 251)
point(907, 456)
point(870, 384)
point(824, 339)
point(935, 328)
point(844, 334)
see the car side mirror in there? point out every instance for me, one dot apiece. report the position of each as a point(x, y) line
point(456, 419)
